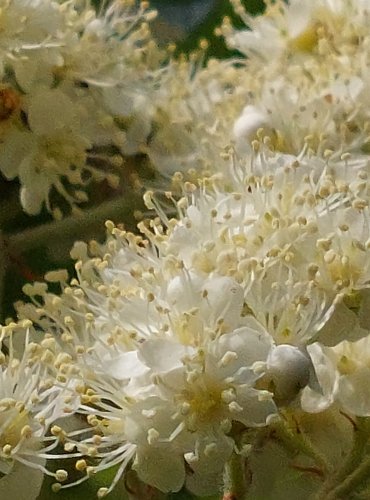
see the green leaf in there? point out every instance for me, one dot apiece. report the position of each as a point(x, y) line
point(87, 490)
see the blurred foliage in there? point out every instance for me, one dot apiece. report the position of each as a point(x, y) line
point(204, 26)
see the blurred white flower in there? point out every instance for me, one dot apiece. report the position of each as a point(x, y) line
point(60, 62)
point(307, 77)
point(297, 29)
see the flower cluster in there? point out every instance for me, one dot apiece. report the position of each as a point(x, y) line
point(309, 64)
point(73, 83)
point(218, 320)
point(234, 328)
point(194, 101)
point(80, 90)
point(167, 360)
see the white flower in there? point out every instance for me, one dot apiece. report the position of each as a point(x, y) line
point(284, 101)
point(209, 322)
point(292, 30)
point(179, 407)
point(193, 112)
point(269, 222)
point(281, 238)
point(52, 148)
point(166, 361)
point(30, 402)
point(343, 373)
point(343, 263)
point(309, 67)
point(27, 25)
point(60, 63)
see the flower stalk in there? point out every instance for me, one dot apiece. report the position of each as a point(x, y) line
point(235, 480)
point(3, 266)
point(355, 469)
point(75, 226)
point(299, 442)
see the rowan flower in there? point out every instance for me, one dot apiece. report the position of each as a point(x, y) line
point(290, 31)
point(167, 361)
point(342, 372)
point(263, 222)
point(52, 147)
point(193, 101)
point(169, 341)
point(23, 28)
point(61, 65)
point(170, 403)
point(30, 401)
point(323, 86)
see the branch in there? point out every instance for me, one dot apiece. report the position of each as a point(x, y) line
point(3, 266)
point(74, 227)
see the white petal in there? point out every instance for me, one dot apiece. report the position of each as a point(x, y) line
point(160, 468)
point(13, 150)
point(343, 325)
point(224, 300)
point(354, 392)
point(50, 111)
point(252, 343)
point(162, 355)
point(327, 376)
point(22, 483)
point(256, 411)
point(124, 366)
point(32, 200)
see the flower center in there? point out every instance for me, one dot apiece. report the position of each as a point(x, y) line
point(12, 422)
point(305, 41)
point(202, 403)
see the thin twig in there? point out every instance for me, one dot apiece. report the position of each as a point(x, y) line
point(74, 227)
point(3, 266)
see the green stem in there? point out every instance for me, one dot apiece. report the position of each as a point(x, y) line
point(74, 227)
point(298, 442)
point(351, 483)
point(235, 482)
point(352, 469)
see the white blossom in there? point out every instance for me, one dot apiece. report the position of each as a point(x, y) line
point(342, 373)
point(60, 63)
point(179, 407)
point(30, 402)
